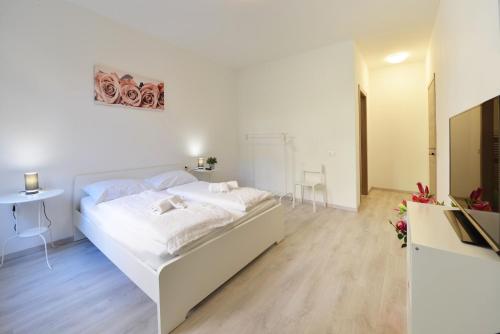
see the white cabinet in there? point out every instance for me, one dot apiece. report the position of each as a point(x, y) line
point(452, 287)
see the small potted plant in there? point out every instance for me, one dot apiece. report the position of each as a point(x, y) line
point(211, 161)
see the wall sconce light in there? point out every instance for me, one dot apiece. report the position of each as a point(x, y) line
point(31, 183)
point(201, 163)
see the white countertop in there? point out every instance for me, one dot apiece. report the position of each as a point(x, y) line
point(429, 227)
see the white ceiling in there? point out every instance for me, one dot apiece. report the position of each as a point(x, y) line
point(243, 32)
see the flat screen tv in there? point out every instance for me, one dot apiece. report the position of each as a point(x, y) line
point(474, 173)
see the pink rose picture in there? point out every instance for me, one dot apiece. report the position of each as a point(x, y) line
point(119, 88)
point(149, 96)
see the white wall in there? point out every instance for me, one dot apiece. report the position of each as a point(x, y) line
point(398, 133)
point(49, 122)
point(361, 82)
point(465, 55)
point(312, 96)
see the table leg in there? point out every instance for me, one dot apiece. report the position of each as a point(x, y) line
point(46, 253)
point(51, 238)
point(314, 198)
point(40, 205)
point(5, 245)
point(40, 213)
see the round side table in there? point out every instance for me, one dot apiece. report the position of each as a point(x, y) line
point(16, 199)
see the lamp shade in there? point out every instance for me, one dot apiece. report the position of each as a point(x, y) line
point(201, 162)
point(31, 183)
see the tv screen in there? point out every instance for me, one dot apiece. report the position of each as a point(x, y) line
point(474, 167)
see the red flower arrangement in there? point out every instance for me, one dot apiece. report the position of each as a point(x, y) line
point(423, 196)
point(476, 203)
point(401, 229)
point(401, 226)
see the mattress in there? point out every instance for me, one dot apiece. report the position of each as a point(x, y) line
point(149, 250)
point(241, 199)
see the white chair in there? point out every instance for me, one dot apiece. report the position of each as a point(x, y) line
point(314, 180)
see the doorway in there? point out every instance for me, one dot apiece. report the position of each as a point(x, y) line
point(431, 98)
point(363, 137)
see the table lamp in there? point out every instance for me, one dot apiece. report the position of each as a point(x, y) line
point(31, 183)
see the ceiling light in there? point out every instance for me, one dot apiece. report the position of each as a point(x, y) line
point(396, 58)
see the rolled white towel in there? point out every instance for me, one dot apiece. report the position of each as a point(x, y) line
point(161, 206)
point(232, 185)
point(221, 187)
point(177, 202)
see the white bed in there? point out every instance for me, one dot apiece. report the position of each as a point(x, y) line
point(178, 282)
point(113, 220)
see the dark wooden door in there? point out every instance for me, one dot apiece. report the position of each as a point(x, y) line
point(363, 141)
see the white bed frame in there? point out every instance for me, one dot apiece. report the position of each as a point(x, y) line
point(181, 282)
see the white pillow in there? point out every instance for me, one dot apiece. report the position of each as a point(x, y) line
point(108, 190)
point(171, 179)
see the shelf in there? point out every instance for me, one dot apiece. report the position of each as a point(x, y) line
point(33, 232)
point(21, 197)
point(202, 170)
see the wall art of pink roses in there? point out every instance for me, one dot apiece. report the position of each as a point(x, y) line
point(114, 87)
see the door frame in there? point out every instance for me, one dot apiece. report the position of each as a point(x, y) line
point(363, 140)
point(432, 159)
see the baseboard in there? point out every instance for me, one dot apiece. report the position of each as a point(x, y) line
point(319, 204)
point(393, 190)
point(341, 207)
point(36, 249)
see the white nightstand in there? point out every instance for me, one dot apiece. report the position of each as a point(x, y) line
point(20, 198)
point(205, 173)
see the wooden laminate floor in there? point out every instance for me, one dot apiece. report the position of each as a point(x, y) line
point(335, 272)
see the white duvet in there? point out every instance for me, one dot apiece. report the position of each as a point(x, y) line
point(130, 220)
point(240, 199)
